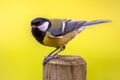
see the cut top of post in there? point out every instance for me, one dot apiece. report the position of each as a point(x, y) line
point(67, 60)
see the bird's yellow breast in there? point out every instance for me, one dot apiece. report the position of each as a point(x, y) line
point(58, 41)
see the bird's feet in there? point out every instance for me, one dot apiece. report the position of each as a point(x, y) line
point(48, 58)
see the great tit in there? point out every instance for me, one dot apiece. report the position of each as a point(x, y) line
point(58, 32)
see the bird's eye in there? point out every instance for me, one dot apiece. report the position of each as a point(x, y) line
point(36, 23)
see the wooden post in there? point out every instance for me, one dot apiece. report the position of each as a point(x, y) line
point(65, 68)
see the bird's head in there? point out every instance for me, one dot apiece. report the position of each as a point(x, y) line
point(40, 23)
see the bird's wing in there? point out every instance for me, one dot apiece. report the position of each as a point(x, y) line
point(61, 27)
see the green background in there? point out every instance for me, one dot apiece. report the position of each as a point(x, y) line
point(21, 55)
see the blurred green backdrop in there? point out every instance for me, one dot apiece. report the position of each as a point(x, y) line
point(21, 55)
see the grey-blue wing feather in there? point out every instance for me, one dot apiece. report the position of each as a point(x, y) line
point(72, 25)
point(57, 28)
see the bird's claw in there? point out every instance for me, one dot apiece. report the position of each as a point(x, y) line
point(48, 58)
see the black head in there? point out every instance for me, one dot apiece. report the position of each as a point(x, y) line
point(41, 23)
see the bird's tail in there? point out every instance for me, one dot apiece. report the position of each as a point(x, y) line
point(95, 22)
point(92, 23)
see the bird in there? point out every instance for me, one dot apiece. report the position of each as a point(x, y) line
point(58, 32)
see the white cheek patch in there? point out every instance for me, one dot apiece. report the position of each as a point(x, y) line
point(44, 26)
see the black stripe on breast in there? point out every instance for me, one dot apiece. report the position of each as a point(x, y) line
point(39, 35)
